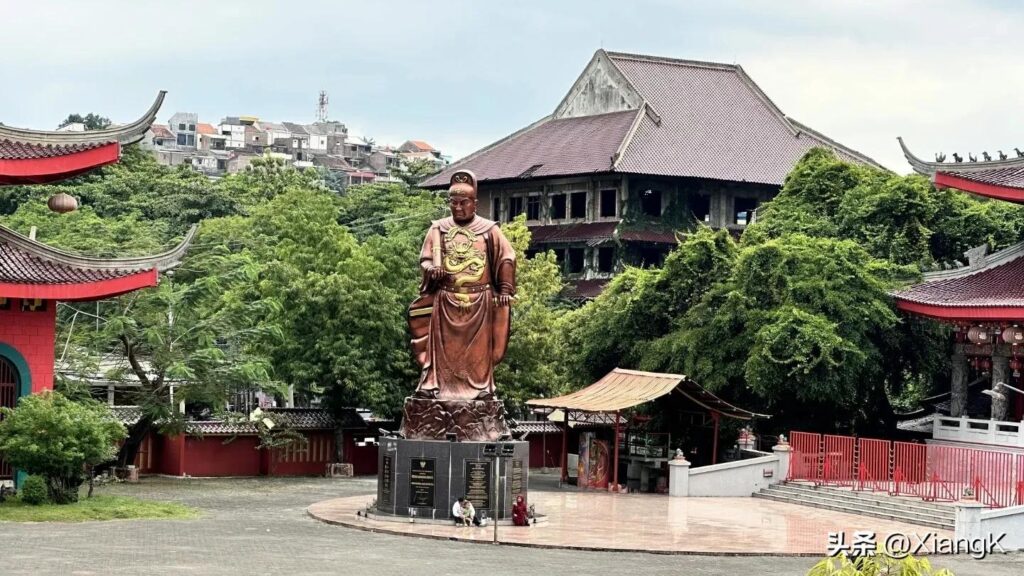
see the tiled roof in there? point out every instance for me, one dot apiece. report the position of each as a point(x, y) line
point(537, 427)
point(572, 232)
point(161, 131)
point(294, 418)
point(13, 150)
point(654, 236)
point(423, 146)
point(295, 129)
point(1010, 177)
point(204, 128)
point(587, 288)
point(995, 286)
point(551, 147)
point(1006, 174)
point(695, 119)
point(714, 123)
point(126, 134)
point(25, 261)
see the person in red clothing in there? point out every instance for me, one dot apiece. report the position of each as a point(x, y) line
point(519, 512)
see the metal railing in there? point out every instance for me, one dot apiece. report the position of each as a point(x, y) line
point(928, 471)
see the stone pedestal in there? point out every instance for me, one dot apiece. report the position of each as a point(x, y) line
point(424, 478)
point(469, 420)
point(678, 477)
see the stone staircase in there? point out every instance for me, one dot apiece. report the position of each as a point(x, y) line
point(876, 504)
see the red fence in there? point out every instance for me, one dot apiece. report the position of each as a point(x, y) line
point(931, 472)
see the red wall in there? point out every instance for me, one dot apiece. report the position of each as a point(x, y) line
point(308, 460)
point(170, 454)
point(362, 458)
point(210, 456)
point(541, 442)
point(32, 335)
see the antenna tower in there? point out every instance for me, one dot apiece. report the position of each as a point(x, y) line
point(321, 107)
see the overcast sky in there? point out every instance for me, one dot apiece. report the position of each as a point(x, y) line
point(944, 74)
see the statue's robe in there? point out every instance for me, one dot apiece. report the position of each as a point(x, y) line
point(467, 332)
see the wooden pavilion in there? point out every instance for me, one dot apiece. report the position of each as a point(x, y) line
point(607, 400)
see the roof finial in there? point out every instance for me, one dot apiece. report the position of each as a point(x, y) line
point(957, 157)
point(986, 156)
point(972, 157)
point(940, 157)
point(1019, 153)
point(1002, 155)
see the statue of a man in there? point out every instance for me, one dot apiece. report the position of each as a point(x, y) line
point(460, 322)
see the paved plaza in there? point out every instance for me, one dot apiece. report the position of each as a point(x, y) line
point(260, 526)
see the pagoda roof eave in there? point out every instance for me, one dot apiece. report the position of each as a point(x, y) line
point(963, 313)
point(127, 134)
point(79, 291)
point(160, 262)
point(29, 171)
point(999, 179)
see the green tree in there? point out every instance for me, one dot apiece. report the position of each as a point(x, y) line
point(49, 435)
point(91, 121)
point(412, 172)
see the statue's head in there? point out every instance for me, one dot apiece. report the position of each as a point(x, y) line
point(462, 196)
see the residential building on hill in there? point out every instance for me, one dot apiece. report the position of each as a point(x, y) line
point(640, 149)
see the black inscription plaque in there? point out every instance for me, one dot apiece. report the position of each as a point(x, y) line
point(517, 478)
point(385, 482)
point(421, 483)
point(478, 483)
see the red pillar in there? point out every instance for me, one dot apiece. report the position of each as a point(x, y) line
point(714, 448)
point(615, 470)
point(565, 447)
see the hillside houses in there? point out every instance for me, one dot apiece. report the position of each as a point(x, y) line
point(232, 144)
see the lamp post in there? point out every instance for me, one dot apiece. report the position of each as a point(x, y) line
point(496, 451)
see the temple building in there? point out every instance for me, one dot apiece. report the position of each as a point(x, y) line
point(641, 147)
point(984, 301)
point(34, 277)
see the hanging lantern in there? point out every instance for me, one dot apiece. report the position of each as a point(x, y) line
point(979, 335)
point(1013, 335)
point(974, 362)
point(986, 364)
point(1015, 365)
point(62, 203)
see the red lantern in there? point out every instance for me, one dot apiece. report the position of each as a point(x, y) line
point(1013, 335)
point(1015, 365)
point(986, 364)
point(979, 335)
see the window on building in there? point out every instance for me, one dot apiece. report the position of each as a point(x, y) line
point(515, 207)
point(496, 208)
point(181, 139)
point(605, 259)
point(609, 202)
point(560, 257)
point(181, 127)
point(191, 127)
point(533, 207)
point(650, 202)
point(743, 209)
point(558, 207)
point(578, 205)
point(700, 207)
point(651, 256)
point(190, 139)
point(222, 165)
point(574, 260)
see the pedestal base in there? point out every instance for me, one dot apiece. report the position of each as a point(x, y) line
point(424, 478)
point(473, 420)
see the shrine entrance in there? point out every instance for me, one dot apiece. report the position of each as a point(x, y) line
point(8, 398)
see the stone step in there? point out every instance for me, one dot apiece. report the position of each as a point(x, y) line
point(841, 506)
point(902, 502)
point(896, 509)
point(857, 508)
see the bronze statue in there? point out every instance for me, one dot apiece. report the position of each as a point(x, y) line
point(460, 322)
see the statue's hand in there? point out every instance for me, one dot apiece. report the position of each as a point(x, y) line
point(436, 272)
point(505, 299)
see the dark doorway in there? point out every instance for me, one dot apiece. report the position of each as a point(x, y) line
point(8, 398)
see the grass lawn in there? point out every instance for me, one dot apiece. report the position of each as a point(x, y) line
point(95, 508)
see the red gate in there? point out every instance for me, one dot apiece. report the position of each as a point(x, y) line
point(8, 397)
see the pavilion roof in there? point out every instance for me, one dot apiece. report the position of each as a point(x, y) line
point(621, 389)
point(44, 156)
point(989, 289)
point(591, 232)
point(1002, 179)
point(31, 269)
point(665, 117)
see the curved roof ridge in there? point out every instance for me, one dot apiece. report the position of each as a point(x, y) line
point(929, 168)
point(994, 260)
point(668, 60)
point(163, 261)
point(126, 134)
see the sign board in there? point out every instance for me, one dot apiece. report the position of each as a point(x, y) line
point(517, 478)
point(478, 483)
point(421, 482)
point(387, 471)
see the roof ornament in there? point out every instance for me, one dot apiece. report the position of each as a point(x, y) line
point(986, 156)
point(957, 157)
point(940, 157)
point(971, 157)
point(1019, 153)
point(977, 257)
point(1002, 155)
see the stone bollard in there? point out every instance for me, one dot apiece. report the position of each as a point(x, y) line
point(784, 451)
point(678, 476)
point(967, 523)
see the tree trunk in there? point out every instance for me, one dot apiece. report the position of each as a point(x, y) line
point(130, 449)
point(90, 470)
point(339, 445)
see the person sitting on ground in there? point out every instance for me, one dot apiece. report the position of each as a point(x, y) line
point(457, 511)
point(519, 517)
point(469, 514)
